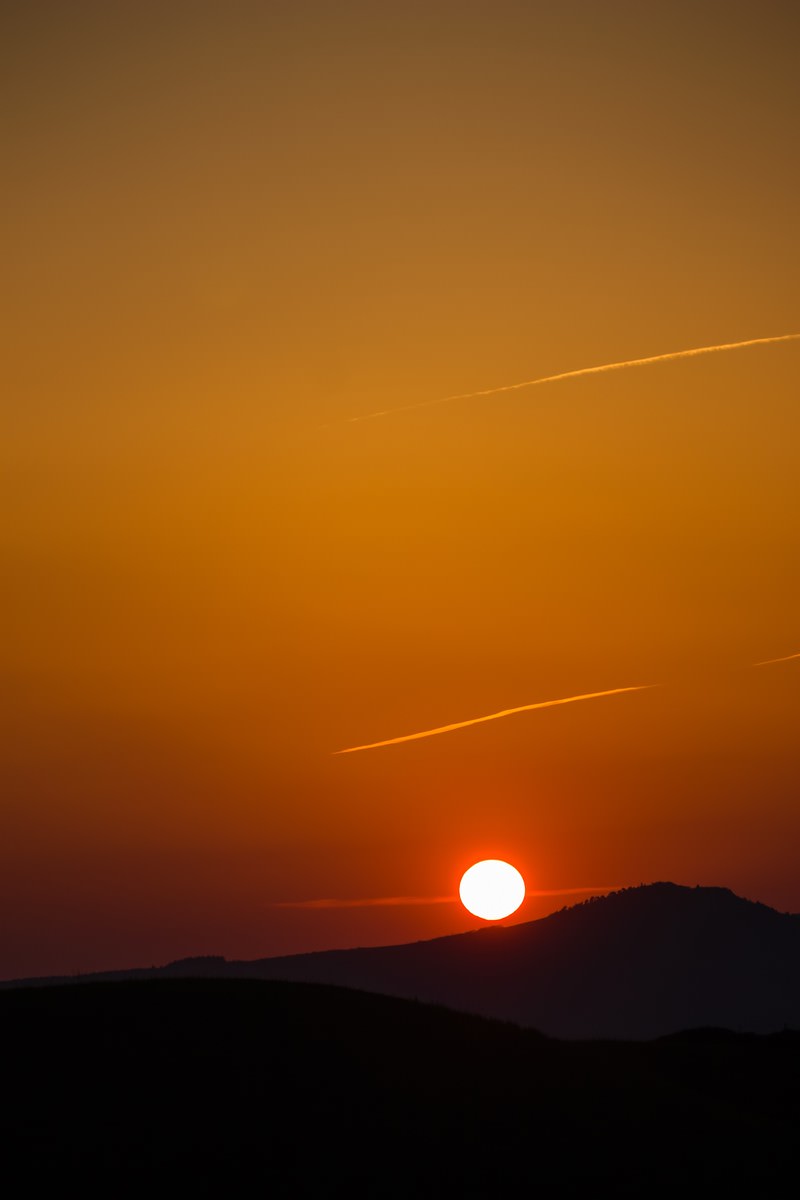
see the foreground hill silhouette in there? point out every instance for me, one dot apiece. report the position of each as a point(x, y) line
point(213, 1087)
point(639, 963)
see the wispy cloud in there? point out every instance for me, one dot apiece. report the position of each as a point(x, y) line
point(372, 902)
point(769, 661)
point(576, 374)
point(496, 716)
point(409, 901)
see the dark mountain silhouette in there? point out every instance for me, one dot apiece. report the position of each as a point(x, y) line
point(218, 1087)
point(639, 963)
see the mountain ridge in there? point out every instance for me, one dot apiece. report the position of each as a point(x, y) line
point(638, 963)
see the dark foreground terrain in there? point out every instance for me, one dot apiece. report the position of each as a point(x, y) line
point(211, 1087)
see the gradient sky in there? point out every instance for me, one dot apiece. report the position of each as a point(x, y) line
point(232, 227)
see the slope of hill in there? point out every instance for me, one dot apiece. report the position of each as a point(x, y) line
point(213, 1087)
point(639, 963)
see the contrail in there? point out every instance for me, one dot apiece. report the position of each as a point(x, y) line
point(402, 901)
point(505, 712)
point(615, 366)
point(769, 661)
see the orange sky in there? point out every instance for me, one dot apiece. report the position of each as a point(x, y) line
point(229, 229)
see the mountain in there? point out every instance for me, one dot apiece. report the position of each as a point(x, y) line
point(232, 1087)
point(636, 964)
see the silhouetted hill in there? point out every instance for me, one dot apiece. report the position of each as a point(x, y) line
point(215, 1088)
point(639, 963)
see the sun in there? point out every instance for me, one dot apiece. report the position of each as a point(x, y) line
point(491, 889)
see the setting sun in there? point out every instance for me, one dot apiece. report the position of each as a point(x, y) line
point(492, 889)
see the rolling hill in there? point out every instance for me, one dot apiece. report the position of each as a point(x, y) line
point(639, 963)
point(219, 1087)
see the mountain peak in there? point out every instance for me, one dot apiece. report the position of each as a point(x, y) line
point(667, 895)
point(637, 963)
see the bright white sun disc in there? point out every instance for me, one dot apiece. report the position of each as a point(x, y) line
point(492, 889)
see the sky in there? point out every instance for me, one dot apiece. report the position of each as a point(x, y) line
point(232, 228)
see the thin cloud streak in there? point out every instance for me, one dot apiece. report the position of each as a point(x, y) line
point(373, 902)
point(576, 374)
point(769, 661)
point(496, 716)
point(403, 901)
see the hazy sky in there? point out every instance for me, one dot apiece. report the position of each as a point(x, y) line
point(231, 227)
